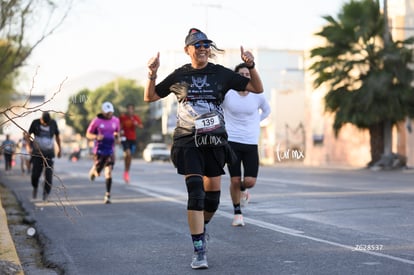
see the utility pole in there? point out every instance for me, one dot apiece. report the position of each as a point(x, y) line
point(387, 122)
point(387, 34)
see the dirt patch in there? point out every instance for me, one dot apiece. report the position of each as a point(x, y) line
point(28, 248)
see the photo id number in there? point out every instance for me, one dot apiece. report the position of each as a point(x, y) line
point(368, 247)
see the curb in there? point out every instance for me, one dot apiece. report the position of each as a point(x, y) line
point(9, 260)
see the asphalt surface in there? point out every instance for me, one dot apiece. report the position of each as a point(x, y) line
point(300, 221)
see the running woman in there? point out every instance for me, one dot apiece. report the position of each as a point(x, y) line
point(200, 148)
point(243, 112)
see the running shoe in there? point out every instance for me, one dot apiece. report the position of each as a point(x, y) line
point(126, 177)
point(238, 220)
point(107, 199)
point(199, 260)
point(45, 196)
point(92, 174)
point(244, 198)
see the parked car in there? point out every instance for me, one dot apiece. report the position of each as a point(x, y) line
point(156, 151)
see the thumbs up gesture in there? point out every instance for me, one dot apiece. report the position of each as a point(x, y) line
point(247, 57)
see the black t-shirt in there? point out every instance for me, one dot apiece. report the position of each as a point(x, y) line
point(198, 91)
point(43, 137)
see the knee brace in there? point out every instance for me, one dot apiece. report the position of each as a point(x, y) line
point(212, 201)
point(196, 194)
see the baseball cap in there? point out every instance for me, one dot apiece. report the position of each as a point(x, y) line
point(107, 107)
point(195, 35)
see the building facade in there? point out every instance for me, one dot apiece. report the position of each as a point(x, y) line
point(352, 146)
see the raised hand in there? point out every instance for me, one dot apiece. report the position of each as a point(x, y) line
point(154, 63)
point(247, 57)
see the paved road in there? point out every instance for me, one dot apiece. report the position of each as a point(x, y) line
point(300, 221)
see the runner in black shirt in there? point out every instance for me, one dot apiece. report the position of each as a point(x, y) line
point(200, 148)
point(44, 131)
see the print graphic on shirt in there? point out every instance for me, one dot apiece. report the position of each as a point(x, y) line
point(113, 125)
point(199, 82)
point(201, 90)
point(44, 139)
point(8, 147)
point(197, 95)
point(106, 128)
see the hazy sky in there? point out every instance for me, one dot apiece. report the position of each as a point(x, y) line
point(122, 35)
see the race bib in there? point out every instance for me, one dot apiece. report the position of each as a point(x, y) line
point(207, 124)
point(209, 130)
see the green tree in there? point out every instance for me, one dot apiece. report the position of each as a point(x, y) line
point(6, 88)
point(131, 93)
point(77, 114)
point(85, 105)
point(100, 95)
point(368, 81)
point(17, 21)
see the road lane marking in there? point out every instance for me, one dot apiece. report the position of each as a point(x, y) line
point(151, 191)
point(263, 224)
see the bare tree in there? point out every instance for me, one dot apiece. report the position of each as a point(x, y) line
point(24, 24)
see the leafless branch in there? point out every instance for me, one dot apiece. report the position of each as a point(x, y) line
point(14, 112)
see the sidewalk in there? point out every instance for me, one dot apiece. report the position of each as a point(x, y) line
point(9, 260)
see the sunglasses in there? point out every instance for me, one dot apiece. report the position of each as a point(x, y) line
point(198, 45)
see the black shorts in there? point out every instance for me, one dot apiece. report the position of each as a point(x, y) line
point(130, 145)
point(201, 161)
point(101, 161)
point(247, 154)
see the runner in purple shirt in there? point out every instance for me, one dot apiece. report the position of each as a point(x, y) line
point(104, 131)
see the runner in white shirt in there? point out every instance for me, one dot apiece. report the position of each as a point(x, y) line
point(243, 112)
